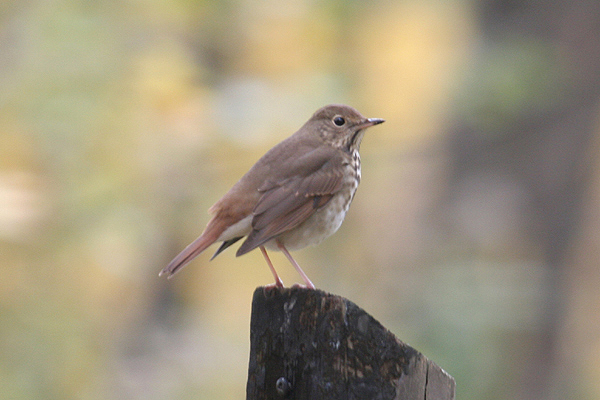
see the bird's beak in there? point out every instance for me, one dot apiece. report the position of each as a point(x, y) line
point(369, 122)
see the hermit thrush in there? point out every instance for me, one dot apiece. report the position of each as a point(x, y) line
point(296, 195)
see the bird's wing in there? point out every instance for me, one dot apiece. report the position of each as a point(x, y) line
point(291, 200)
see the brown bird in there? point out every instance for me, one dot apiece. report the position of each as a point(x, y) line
point(296, 195)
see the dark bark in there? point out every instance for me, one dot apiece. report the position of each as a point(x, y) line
point(308, 344)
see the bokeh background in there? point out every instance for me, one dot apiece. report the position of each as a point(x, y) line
point(474, 235)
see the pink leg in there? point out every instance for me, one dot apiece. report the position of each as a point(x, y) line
point(278, 281)
point(309, 284)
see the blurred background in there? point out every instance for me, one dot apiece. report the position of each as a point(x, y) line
point(471, 237)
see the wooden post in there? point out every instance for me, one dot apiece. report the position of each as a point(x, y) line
point(311, 345)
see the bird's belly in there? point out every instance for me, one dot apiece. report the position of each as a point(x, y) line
point(240, 228)
point(322, 224)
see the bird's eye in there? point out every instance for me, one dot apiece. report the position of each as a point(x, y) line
point(339, 121)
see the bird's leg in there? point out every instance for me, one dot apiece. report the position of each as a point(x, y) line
point(278, 281)
point(309, 284)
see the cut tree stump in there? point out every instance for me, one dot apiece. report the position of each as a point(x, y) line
point(310, 345)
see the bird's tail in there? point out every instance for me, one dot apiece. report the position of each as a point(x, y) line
point(190, 252)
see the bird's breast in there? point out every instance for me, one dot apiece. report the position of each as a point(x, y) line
point(327, 219)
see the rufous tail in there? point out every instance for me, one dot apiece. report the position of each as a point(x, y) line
point(189, 253)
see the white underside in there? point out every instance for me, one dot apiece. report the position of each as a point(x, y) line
point(322, 224)
point(312, 232)
point(241, 228)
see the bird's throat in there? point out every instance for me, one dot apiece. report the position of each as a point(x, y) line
point(355, 140)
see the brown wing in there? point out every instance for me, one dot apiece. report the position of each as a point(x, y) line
point(289, 202)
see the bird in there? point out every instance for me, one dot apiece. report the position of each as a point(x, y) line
point(294, 196)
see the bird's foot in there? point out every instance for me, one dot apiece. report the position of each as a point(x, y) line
point(278, 284)
point(299, 286)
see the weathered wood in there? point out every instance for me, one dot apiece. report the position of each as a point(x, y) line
point(311, 345)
